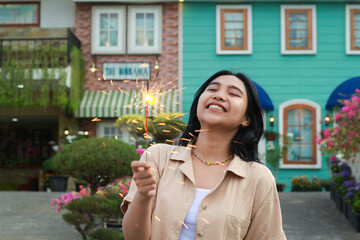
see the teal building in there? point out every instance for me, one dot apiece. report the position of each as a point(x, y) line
point(303, 56)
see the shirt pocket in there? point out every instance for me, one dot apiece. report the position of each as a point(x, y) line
point(235, 228)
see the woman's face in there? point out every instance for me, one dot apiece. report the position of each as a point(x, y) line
point(223, 103)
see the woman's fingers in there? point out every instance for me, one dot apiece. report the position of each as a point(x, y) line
point(144, 178)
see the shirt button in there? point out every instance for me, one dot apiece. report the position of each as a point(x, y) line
point(204, 207)
point(200, 233)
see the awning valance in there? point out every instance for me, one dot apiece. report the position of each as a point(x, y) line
point(265, 101)
point(344, 91)
point(116, 103)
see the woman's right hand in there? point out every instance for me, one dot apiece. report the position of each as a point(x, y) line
point(144, 178)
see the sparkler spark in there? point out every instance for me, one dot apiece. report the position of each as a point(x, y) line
point(137, 225)
point(205, 221)
point(104, 92)
point(166, 130)
point(185, 139)
point(174, 151)
point(167, 140)
point(161, 124)
point(182, 182)
point(237, 142)
point(190, 145)
point(116, 137)
point(96, 119)
point(175, 128)
point(171, 167)
point(192, 135)
point(202, 130)
point(157, 218)
point(104, 144)
point(121, 195)
point(185, 225)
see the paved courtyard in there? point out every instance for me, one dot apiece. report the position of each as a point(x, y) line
point(306, 216)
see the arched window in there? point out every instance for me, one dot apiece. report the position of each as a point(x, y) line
point(299, 123)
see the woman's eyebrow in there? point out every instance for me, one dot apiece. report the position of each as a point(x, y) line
point(230, 87)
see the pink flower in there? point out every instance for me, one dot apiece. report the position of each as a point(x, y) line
point(337, 116)
point(351, 113)
point(327, 133)
point(140, 151)
point(345, 109)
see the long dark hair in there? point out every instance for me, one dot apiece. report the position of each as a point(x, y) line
point(246, 140)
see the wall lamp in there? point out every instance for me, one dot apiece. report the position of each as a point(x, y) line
point(327, 120)
point(66, 131)
point(271, 120)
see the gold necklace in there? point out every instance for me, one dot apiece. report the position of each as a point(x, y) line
point(211, 163)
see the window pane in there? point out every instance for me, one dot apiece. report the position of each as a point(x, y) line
point(298, 25)
point(104, 38)
point(293, 134)
point(234, 17)
point(113, 131)
point(357, 42)
point(106, 131)
point(19, 14)
point(234, 34)
point(234, 25)
point(306, 152)
point(306, 117)
point(103, 21)
point(306, 134)
point(149, 21)
point(298, 34)
point(298, 17)
point(234, 42)
point(139, 38)
point(298, 43)
point(113, 38)
point(293, 152)
point(149, 38)
point(114, 21)
point(139, 21)
point(357, 25)
point(292, 117)
point(357, 34)
point(356, 16)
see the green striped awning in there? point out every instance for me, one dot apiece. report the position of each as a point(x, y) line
point(116, 103)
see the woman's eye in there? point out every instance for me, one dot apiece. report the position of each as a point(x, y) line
point(211, 89)
point(234, 94)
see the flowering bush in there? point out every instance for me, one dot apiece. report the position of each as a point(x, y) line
point(85, 210)
point(344, 138)
point(304, 183)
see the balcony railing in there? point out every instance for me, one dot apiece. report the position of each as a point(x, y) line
point(49, 52)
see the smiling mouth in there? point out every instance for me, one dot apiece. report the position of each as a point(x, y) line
point(217, 107)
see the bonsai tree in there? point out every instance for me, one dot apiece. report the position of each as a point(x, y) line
point(98, 161)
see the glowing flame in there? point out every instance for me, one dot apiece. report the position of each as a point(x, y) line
point(150, 99)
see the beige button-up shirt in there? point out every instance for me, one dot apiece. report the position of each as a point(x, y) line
point(243, 205)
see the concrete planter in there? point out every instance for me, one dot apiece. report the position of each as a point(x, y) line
point(58, 183)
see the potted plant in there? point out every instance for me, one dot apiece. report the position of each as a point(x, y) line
point(271, 135)
point(53, 178)
point(300, 184)
point(273, 156)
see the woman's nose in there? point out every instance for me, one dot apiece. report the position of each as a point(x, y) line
point(219, 96)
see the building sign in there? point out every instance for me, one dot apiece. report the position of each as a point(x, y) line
point(126, 71)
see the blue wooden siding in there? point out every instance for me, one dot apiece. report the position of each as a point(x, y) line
point(284, 77)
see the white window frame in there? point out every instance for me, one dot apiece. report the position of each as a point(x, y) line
point(157, 11)
point(283, 30)
point(348, 31)
point(95, 30)
point(110, 123)
point(249, 30)
point(317, 107)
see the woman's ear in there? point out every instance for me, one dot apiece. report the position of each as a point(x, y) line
point(245, 122)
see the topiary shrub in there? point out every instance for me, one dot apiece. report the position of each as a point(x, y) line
point(98, 161)
point(106, 234)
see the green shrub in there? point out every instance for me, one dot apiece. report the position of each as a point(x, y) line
point(106, 234)
point(48, 166)
point(9, 186)
point(98, 161)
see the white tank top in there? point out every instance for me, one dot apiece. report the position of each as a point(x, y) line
point(188, 229)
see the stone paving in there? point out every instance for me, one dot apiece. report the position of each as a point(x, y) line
point(306, 216)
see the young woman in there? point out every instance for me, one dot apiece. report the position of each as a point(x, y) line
point(212, 186)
